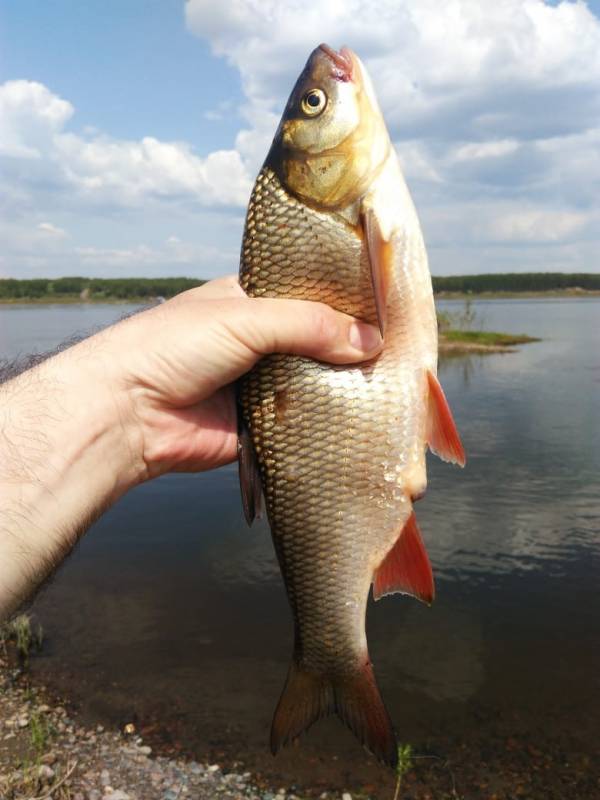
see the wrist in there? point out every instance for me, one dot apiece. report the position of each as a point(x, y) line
point(67, 439)
point(67, 451)
point(96, 428)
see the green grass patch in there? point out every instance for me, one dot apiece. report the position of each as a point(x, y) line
point(488, 338)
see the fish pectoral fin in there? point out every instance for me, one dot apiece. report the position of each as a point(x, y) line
point(354, 697)
point(249, 473)
point(406, 568)
point(441, 435)
point(379, 251)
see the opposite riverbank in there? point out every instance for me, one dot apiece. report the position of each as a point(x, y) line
point(74, 299)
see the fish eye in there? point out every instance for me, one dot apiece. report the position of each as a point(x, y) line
point(314, 102)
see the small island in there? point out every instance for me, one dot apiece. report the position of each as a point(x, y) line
point(455, 342)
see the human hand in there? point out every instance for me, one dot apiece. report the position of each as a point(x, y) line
point(149, 395)
point(177, 361)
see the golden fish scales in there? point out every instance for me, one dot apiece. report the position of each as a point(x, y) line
point(326, 438)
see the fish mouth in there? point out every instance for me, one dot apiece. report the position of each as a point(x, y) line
point(343, 62)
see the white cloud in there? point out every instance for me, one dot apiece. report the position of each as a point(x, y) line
point(430, 60)
point(478, 150)
point(536, 226)
point(101, 169)
point(52, 230)
point(49, 170)
point(494, 109)
point(29, 115)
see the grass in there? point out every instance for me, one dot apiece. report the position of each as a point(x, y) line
point(26, 638)
point(405, 763)
point(40, 731)
point(488, 338)
point(463, 327)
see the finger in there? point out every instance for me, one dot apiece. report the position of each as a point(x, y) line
point(301, 327)
point(225, 288)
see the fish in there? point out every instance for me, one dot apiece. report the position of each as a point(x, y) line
point(338, 452)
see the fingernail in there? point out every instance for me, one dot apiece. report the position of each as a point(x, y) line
point(364, 337)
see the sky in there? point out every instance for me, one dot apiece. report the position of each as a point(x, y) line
point(131, 131)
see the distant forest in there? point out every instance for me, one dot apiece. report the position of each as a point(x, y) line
point(518, 282)
point(94, 288)
point(98, 289)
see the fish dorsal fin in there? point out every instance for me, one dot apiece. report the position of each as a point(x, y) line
point(379, 251)
point(442, 436)
point(406, 568)
point(250, 483)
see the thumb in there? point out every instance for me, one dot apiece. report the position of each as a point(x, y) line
point(305, 328)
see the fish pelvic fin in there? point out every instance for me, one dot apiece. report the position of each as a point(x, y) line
point(442, 435)
point(406, 568)
point(354, 697)
point(249, 474)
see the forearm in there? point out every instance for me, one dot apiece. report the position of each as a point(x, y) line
point(67, 451)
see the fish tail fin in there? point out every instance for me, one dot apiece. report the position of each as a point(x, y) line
point(308, 696)
point(359, 705)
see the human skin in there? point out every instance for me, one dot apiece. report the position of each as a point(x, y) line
point(150, 395)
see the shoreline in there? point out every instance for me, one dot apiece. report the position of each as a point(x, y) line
point(46, 751)
point(50, 749)
point(459, 342)
point(550, 294)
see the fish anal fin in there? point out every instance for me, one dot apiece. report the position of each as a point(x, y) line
point(249, 473)
point(442, 435)
point(406, 568)
point(354, 697)
point(379, 251)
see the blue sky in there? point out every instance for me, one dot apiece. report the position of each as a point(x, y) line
point(131, 132)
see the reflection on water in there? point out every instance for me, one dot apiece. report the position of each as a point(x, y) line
point(177, 608)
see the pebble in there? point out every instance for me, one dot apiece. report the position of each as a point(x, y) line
point(107, 761)
point(346, 796)
point(46, 773)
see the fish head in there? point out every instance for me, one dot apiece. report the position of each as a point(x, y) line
point(332, 139)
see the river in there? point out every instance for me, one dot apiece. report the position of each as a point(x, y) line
point(172, 614)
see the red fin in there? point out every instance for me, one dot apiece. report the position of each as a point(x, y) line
point(308, 696)
point(406, 568)
point(379, 251)
point(442, 436)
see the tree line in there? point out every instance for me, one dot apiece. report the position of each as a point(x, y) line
point(517, 282)
point(95, 288)
point(147, 288)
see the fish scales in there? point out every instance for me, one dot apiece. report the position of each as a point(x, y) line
point(340, 449)
point(326, 437)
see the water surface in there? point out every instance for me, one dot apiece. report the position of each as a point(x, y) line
point(172, 613)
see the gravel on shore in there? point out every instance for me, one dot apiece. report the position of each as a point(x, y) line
point(44, 754)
